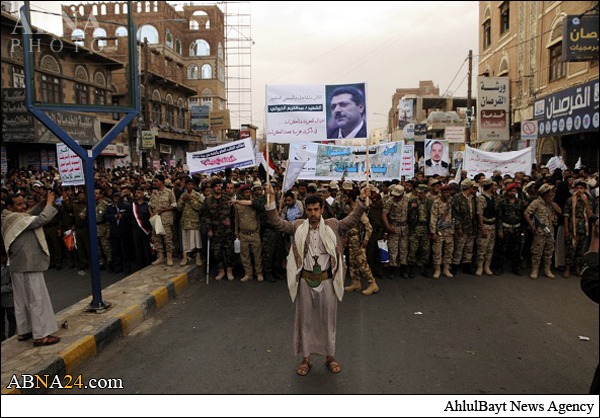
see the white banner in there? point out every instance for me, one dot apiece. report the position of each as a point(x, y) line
point(408, 162)
point(493, 104)
point(292, 171)
point(238, 154)
point(70, 166)
point(308, 113)
point(327, 162)
point(477, 161)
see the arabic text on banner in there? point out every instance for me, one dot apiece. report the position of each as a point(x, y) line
point(300, 113)
point(238, 154)
point(407, 168)
point(327, 162)
point(493, 103)
point(477, 161)
point(70, 166)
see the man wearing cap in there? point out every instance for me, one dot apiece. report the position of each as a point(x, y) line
point(217, 211)
point(395, 215)
point(434, 188)
point(247, 228)
point(102, 229)
point(541, 217)
point(441, 228)
point(577, 211)
point(464, 210)
point(509, 213)
point(315, 274)
point(419, 216)
point(189, 205)
point(486, 213)
point(333, 190)
point(163, 203)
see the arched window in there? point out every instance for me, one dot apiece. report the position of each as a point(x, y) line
point(207, 72)
point(487, 27)
point(117, 9)
point(121, 32)
point(49, 63)
point(156, 95)
point(81, 73)
point(557, 67)
point(149, 32)
point(155, 6)
point(95, 10)
point(202, 18)
point(78, 36)
point(199, 48)
point(125, 8)
point(503, 70)
point(192, 72)
point(100, 79)
point(221, 73)
point(100, 33)
point(16, 53)
point(139, 7)
point(169, 39)
point(178, 46)
point(103, 9)
point(81, 10)
point(207, 98)
point(194, 25)
point(220, 52)
point(148, 7)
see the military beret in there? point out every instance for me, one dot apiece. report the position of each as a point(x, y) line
point(511, 186)
point(244, 187)
point(216, 182)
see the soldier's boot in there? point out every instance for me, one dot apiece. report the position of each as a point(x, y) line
point(220, 274)
point(199, 259)
point(567, 272)
point(447, 271)
point(548, 271)
point(486, 269)
point(411, 272)
point(160, 259)
point(454, 268)
point(354, 287)
point(424, 272)
point(372, 288)
point(404, 269)
point(246, 278)
point(230, 275)
point(534, 270)
point(438, 272)
point(479, 271)
point(184, 259)
point(260, 277)
point(170, 259)
point(515, 268)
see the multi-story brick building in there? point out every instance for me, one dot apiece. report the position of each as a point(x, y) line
point(182, 64)
point(64, 74)
point(523, 40)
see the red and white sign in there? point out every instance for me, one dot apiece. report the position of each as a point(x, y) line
point(529, 130)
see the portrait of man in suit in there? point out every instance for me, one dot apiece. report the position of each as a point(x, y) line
point(348, 109)
point(436, 163)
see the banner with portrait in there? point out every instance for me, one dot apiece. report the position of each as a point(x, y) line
point(239, 154)
point(477, 161)
point(436, 157)
point(315, 112)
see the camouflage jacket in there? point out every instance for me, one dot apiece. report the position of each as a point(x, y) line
point(397, 212)
point(544, 212)
point(218, 214)
point(190, 210)
point(419, 215)
point(508, 213)
point(441, 217)
point(465, 213)
point(164, 199)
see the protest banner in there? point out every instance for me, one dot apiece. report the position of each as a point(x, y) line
point(477, 161)
point(239, 154)
point(70, 166)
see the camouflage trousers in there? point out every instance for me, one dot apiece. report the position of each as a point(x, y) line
point(273, 250)
point(164, 242)
point(222, 250)
point(373, 253)
point(250, 243)
point(485, 246)
point(419, 243)
point(543, 245)
point(575, 250)
point(511, 246)
point(398, 246)
point(358, 262)
point(105, 249)
point(443, 248)
point(55, 245)
point(463, 249)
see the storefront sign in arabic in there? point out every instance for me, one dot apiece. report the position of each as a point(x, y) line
point(580, 39)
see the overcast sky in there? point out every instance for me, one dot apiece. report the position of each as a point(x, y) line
point(387, 45)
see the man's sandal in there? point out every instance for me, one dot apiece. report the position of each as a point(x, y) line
point(304, 367)
point(333, 366)
point(25, 337)
point(49, 340)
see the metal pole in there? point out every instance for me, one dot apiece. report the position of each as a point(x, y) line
point(469, 99)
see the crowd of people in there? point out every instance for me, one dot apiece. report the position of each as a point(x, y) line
point(432, 226)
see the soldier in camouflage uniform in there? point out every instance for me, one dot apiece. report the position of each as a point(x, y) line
point(374, 214)
point(53, 236)
point(419, 215)
point(102, 229)
point(486, 213)
point(189, 204)
point(163, 203)
point(247, 229)
point(395, 216)
point(464, 211)
point(218, 213)
point(67, 221)
point(441, 227)
point(509, 214)
point(576, 213)
point(82, 235)
point(358, 239)
point(543, 228)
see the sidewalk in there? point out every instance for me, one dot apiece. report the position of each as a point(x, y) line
point(132, 300)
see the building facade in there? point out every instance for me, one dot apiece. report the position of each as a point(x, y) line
point(523, 40)
point(182, 65)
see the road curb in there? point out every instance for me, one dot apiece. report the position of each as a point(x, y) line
point(87, 347)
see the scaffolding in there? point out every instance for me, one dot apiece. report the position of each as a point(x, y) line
point(238, 57)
